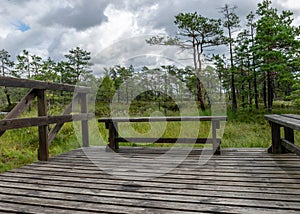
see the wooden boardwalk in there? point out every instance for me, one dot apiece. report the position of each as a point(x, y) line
point(238, 181)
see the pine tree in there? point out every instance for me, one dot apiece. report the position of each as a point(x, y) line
point(231, 22)
point(277, 43)
point(197, 33)
point(79, 63)
point(6, 70)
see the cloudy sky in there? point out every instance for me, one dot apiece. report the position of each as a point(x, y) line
point(109, 29)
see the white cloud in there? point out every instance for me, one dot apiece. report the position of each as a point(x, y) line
point(57, 26)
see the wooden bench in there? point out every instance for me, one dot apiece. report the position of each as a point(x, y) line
point(112, 125)
point(289, 122)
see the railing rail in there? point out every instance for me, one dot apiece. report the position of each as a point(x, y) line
point(38, 89)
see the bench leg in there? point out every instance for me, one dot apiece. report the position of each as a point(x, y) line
point(216, 145)
point(113, 134)
point(289, 136)
point(276, 141)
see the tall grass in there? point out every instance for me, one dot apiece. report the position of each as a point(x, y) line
point(19, 147)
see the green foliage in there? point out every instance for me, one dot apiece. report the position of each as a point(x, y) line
point(78, 64)
point(106, 89)
point(277, 44)
point(295, 95)
point(102, 109)
point(19, 147)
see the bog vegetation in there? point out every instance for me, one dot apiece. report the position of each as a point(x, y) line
point(259, 74)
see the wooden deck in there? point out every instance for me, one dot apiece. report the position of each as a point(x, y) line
point(238, 181)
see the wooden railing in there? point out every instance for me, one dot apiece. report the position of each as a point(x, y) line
point(38, 89)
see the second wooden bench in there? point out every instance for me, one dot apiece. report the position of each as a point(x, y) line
point(114, 138)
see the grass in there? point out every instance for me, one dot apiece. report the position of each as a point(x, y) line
point(243, 129)
point(19, 147)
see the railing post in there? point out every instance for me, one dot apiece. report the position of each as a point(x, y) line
point(84, 123)
point(216, 146)
point(43, 152)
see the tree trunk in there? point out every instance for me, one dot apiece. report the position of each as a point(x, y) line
point(197, 63)
point(233, 92)
point(270, 91)
point(265, 91)
point(254, 71)
point(250, 94)
point(200, 94)
point(7, 97)
point(255, 89)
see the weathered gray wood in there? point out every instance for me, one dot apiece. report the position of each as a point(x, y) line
point(232, 183)
point(284, 121)
point(167, 140)
point(43, 150)
point(114, 139)
point(113, 134)
point(84, 122)
point(42, 120)
point(54, 131)
point(291, 146)
point(25, 83)
point(290, 122)
point(295, 116)
point(289, 134)
point(162, 119)
point(21, 106)
point(275, 132)
point(38, 88)
point(216, 144)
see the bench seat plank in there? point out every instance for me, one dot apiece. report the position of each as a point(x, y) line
point(168, 140)
point(162, 119)
point(295, 116)
point(284, 121)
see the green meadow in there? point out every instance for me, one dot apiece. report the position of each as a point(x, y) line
point(243, 129)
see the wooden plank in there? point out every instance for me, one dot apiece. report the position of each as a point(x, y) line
point(43, 150)
point(18, 207)
point(123, 194)
point(163, 119)
point(216, 145)
point(167, 140)
point(196, 178)
point(113, 134)
point(284, 121)
point(276, 143)
point(21, 106)
point(289, 134)
point(84, 123)
point(187, 172)
point(274, 193)
point(239, 181)
point(42, 120)
point(295, 116)
point(26, 83)
point(54, 131)
point(291, 146)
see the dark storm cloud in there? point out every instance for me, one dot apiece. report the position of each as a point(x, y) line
point(80, 16)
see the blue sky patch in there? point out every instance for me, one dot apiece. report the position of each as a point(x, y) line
point(22, 26)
